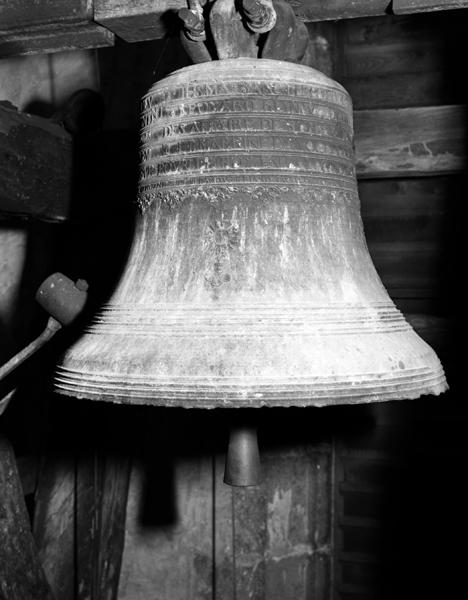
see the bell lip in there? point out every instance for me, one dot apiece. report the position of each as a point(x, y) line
point(438, 387)
point(277, 68)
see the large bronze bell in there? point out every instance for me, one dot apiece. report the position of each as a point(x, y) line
point(249, 282)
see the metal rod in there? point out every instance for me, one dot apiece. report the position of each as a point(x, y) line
point(197, 50)
point(51, 329)
point(194, 24)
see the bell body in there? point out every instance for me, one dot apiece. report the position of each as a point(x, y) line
point(249, 282)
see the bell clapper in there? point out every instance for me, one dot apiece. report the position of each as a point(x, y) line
point(243, 459)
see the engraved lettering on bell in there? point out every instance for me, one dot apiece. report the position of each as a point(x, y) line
point(187, 90)
point(248, 105)
point(331, 132)
point(249, 282)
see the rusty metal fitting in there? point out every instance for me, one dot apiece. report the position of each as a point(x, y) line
point(260, 15)
point(194, 24)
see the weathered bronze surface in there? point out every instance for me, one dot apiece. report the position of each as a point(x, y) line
point(249, 282)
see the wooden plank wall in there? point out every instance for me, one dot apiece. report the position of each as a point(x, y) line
point(383, 504)
point(408, 221)
point(189, 536)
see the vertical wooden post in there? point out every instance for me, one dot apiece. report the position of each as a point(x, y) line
point(81, 503)
point(21, 575)
point(115, 484)
point(54, 523)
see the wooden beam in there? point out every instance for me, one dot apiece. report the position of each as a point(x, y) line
point(101, 488)
point(81, 501)
point(28, 469)
point(140, 19)
point(53, 25)
point(410, 142)
point(402, 7)
point(54, 522)
point(35, 167)
point(19, 13)
point(146, 19)
point(49, 26)
point(21, 575)
point(328, 10)
point(115, 485)
point(53, 37)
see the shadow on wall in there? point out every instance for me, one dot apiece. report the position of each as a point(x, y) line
point(92, 245)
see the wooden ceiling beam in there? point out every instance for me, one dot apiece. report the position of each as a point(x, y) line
point(49, 26)
point(52, 25)
point(410, 142)
point(138, 20)
point(405, 7)
point(35, 167)
point(55, 37)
